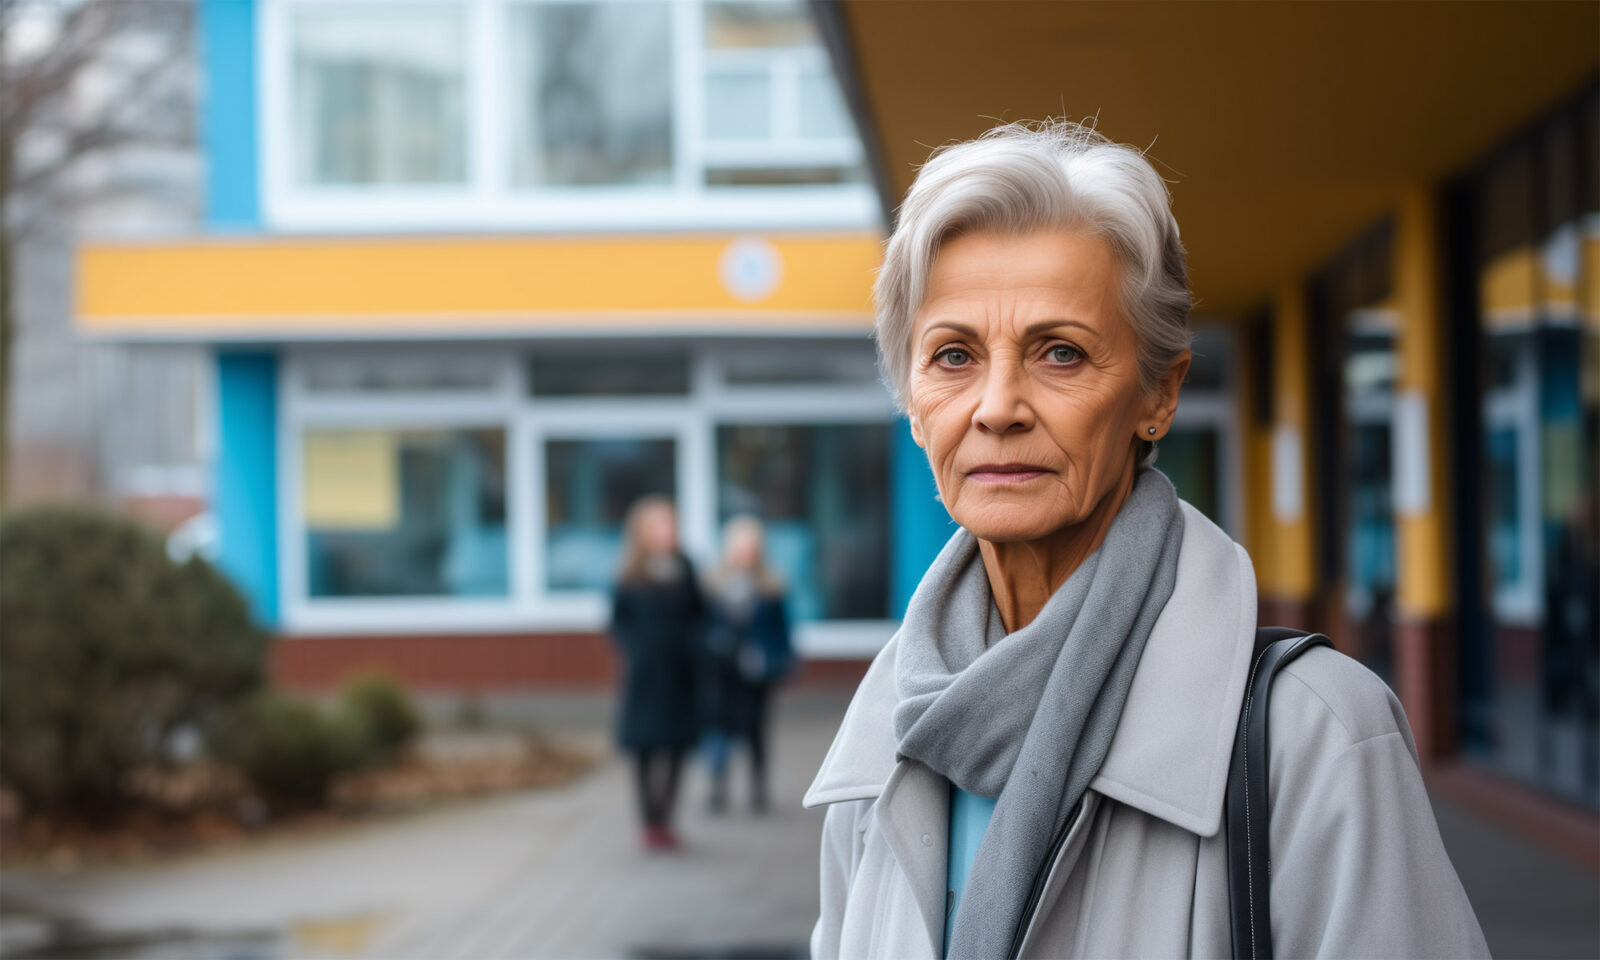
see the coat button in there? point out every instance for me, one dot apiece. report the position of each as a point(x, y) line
point(927, 840)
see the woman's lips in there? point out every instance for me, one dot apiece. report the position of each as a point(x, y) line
point(1006, 473)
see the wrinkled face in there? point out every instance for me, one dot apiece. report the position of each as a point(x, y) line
point(1024, 383)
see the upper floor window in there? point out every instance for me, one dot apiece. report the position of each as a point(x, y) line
point(555, 114)
point(773, 113)
point(379, 99)
point(591, 93)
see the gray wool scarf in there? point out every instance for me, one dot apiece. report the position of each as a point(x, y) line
point(979, 705)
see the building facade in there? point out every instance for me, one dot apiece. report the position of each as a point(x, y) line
point(477, 274)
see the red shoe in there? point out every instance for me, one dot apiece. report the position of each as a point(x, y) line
point(669, 840)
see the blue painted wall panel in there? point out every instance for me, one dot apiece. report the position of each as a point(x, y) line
point(228, 114)
point(919, 521)
point(246, 497)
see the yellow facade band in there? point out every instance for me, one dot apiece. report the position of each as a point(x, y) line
point(302, 285)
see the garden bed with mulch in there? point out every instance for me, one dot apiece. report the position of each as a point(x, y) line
point(203, 806)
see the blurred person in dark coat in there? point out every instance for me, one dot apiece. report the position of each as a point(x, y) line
point(657, 617)
point(748, 653)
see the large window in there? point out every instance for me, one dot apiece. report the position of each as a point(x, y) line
point(410, 513)
point(591, 93)
point(554, 114)
point(379, 99)
point(487, 488)
point(1532, 653)
point(773, 113)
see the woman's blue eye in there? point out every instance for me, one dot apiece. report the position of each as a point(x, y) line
point(955, 358)
point(1061, 353)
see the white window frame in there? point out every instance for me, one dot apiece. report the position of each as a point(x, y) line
point(784, 146)
point(486, 199)
point(529, 421)
point(1516, 407)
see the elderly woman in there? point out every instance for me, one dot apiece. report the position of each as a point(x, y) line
point(1035, 764)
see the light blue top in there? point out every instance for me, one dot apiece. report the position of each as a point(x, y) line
point(969, 820)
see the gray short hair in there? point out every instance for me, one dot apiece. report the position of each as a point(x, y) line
point(1026, 176)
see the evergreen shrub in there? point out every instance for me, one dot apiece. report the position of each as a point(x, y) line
point(108, 649)
point(291, 751)
point(385, 713)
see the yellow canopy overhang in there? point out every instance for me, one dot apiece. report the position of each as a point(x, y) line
point(1285, 128)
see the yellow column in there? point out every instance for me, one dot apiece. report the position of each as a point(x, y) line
point(1422, 515)
point(1285, 572)
point(1423, 651)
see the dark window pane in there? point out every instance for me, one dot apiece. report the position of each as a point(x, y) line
point(1208, 363)
point(1188, 456)
point(657, 374)
point(822, 492)
point(792, 365)
point(589, 486)
point(426, 374)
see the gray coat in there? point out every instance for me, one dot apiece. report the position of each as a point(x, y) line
point(1358, 869)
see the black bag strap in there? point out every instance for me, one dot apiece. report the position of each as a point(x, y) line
point(1248, 816)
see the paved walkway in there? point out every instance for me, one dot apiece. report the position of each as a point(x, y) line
point(559, 873)
point(743, 886)
point(548, 873)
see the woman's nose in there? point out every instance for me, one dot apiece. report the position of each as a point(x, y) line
point(1004, 406)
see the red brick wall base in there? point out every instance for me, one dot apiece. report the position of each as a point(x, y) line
point(454, 663)
point(486, 663)
point(1281, 612)
point(1424, 674)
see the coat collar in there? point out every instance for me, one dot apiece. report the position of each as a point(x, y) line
point(1169, 757)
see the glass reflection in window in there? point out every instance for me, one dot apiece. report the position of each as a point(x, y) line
point(589, 485)
point(821, 490)
point(773, 111)
point(1188, 456)
point(591, 93)
point(404, 513)
point(378, 95)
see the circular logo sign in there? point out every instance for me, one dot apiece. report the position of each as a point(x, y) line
point(750, 268)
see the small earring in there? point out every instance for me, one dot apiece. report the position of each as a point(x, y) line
point(1150, 430)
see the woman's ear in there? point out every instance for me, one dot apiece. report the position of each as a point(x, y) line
point(1163, 404)
point(916, 431)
